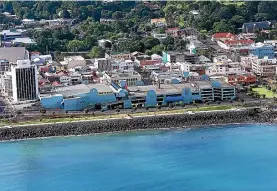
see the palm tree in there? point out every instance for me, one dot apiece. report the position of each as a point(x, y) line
point(86, 111)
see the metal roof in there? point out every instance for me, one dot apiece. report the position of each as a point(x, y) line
point(13, 54)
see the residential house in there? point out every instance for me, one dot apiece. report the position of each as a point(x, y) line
point(159, 36)
point(159, 22)
point(174, 32)
point(119, 55)
point(156, 57)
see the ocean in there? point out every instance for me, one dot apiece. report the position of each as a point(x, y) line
point(229, 158)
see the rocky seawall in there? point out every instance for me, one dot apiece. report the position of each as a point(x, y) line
point(150, 122)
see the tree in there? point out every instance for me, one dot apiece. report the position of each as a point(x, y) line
point(158, 49)
point(222, 26)
point(263, 17)
point(237, 20)
point(180, 45)
point(42, 110)
point(108, 44)
point(117, 15)
point(96, 52)
point(76, 45)
point(151, 42)
point(86, 111)
point(64, 14)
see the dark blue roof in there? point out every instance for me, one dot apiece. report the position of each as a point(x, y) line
point(251, 27)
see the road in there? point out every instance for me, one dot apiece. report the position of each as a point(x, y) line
point(141, 110)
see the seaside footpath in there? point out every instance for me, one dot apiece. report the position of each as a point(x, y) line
point(183, 120)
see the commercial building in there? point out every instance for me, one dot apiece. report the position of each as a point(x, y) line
point(24, 81)
point(236, 44)
point(241, 79)
point(78, 97)
point(12, 54)
point(223, 69)
point(103, 64)
point(73, 61)
point(223, 36)
point(173, 57)
point(166, 77)
point(264, 67)
point(8, 57)
point(261, 50)
point(246, 61)
point(189, 67)
point(123, 65)
point(195, 45)
point(109, 96)
point(12, 34)
point(5, 66)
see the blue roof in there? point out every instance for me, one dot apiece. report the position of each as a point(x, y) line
point(174, 98)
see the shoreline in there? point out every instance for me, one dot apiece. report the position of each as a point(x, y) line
point(169, 121)
point(136, 130)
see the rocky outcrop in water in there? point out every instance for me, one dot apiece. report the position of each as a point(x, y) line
point(151, 122)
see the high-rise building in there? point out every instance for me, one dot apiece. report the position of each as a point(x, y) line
point(24, 81)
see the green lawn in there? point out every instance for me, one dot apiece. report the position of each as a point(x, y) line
point(237, 3)
point(266, 92)
point(67, 119)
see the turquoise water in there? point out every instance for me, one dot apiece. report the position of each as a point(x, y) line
point(235, 158)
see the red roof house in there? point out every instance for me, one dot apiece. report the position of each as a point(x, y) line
point(223, 36)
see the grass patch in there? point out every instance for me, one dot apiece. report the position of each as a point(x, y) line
point(229, 2)
point(264, 91)
point(212, 108)
point(162, 112)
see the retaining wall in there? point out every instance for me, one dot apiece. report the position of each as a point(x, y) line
point(151, 122)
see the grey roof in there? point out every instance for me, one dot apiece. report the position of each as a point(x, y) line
point(204, 59)
point(165, 89)
point(13, 54)
point(203, 84)
point(82, 88)
point(100, 87)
